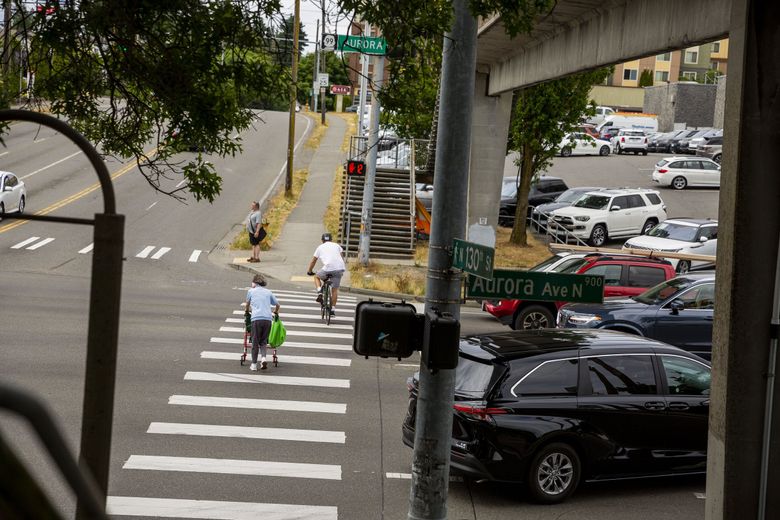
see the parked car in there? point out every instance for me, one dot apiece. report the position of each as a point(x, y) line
point(567, 198)
point(675, 142)
point(553, 408)
point(579, 143)
point(681, 172)
point(624, 275)
point(712, 149)
point(678, 311)
point(684, 144)
point(608, 133)
point(13, 194)
point(544, 190)
point(680, 235)
point(615, 213)
point(589, 129)
point(628, 140)
point(663, 143)
point(601, 113)
point(644, 122)
point(696, 142)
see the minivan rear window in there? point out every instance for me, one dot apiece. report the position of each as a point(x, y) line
point(472, 378)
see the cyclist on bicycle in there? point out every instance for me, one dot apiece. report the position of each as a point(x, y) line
point(332, 257)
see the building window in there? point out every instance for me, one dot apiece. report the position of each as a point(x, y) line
point(662, 75)
point(714, 65)
point(667, 56)
point(716, 47)
point(692, 56)
point(689, 75)
point(629, 74)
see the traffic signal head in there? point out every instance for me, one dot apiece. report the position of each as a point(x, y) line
point(356, 167)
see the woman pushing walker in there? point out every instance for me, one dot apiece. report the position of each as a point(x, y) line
point(259, 302)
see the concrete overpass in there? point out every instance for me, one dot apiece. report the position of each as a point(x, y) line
point(579, 35)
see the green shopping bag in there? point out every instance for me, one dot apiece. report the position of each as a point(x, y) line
point(278, 333)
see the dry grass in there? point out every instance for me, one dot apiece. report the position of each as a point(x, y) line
point(315, 138)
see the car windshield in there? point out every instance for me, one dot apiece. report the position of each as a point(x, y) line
point(674, 231)
point(509, 189)
point(472, 378)
point(664, 290)
point(572, 266)
point(592, 202)
point(569, 196)
point(542, 266)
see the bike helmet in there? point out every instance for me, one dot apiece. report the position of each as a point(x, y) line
point(326, 237)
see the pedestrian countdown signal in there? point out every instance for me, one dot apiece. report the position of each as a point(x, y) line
point(356, 168)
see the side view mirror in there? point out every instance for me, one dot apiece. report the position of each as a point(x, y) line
point(676, 306)
point(703, 239)
point(8, 188)
point(615, 208)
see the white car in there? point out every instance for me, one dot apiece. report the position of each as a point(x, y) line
point(580, 143)
point(628, 140)
point(680, 235)
point(681, 172)
point(13, 194)
point(599, 215)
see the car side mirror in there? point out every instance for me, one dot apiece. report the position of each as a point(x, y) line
point(615, 208)
point(703, 239)
point(676, 306)
point(8, 188)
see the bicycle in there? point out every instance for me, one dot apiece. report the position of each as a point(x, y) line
point(325, 305)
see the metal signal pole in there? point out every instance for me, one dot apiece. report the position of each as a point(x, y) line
point(323, 66)
point(288, 182)
point(364, 245)
point(433, 433)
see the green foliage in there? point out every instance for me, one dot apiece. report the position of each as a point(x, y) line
point(646, 78)
point(542, 116)
point(336, 67)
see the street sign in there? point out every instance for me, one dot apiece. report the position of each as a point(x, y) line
point(473, 258)
point(365, 44)
point(329, 42)
point(535, 285)
point(322, 79)
point(340, 89)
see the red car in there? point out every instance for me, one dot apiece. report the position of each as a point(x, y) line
point(624, 275)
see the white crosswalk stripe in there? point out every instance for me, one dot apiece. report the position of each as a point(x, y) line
point(268, 380)
point(302, 333)
point(40, 244)
point(258, 404)
point(235, 467)
point(160, 253)
point(310, 294)
point(288, 344)
point(25, 242)
point(215, 509)
point(287, 315)
point(247, 432)
point(314, 307)
point(295, 360)
point(145, 251)
point(292, 325)
point(283, 300)
point(195, 255)
point(34, 241)
point(87, 249)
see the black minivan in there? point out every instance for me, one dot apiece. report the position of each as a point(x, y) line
point(551, 408)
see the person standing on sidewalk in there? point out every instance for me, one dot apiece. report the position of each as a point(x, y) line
point(332, 257)
point(259, 301)
point(255, 229)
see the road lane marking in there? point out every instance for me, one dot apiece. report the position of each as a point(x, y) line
point(235, 467)
point(40, 244)
point(76, 196)
point(39, 170)
point(293, 332)
point(258, 404)
point(289, 324)
point(292, 299)
point(311, 294)
point(145, 251)
point(408, 476)
point(263, 379)
point(195, 254)
point(215, 510)
point(287, 315)
point(160, 253)
point(182, 183)
point(313, 307)
point(295, 360)
point(152, 205)
point(25, 242)
point(291, 344)
point(248, 432)
point(87, 249)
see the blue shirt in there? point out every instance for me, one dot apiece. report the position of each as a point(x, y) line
point(260, 300)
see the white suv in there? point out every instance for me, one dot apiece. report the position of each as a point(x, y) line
point(629, 140)
point(599, 215)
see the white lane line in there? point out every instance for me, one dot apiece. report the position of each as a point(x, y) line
point(49, 165)
point(408, 476)
point(25, 242)
point(270, 380)
point(258, 404)
point(289, 324)
point(299, 333)
point(295, 360)
point(312, 294)
point(248, 432)
point(160, 253)
point(182, 183)
point(292, 299)
point(153, 204)
point(292, 344)
point(215, 510)
point(40, 244)
point(145, 251)
point(286, 315)
point(234, 467)
point(4, 153)
point(195, 254)
point(314, 307)
point(87, 249)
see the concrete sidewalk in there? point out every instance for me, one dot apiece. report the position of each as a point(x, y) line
point(292, 251)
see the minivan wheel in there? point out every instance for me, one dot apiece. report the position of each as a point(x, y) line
point(598, 235)
point(683, 266)
point(716, 158)
point(604, 150)
point(554, 473)
point(679, 183)
point(534, 317)
point(566, 152)
point(650, 224)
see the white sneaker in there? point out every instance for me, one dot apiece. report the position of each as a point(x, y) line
point(263, 364)
point(253, 367)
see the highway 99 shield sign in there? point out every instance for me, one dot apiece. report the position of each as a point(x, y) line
point(539, 286)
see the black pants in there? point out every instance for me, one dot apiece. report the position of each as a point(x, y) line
point(260, 330)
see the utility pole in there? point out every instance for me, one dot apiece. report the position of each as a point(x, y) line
point(433, 432)
point(364, 245)
point(6, 37)
point(323, 66)
point(363, 82)
point(293, 96)
point(316, 69)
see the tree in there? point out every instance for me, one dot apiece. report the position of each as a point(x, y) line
point(646, 78)
point(338, 72)
point(543, 115)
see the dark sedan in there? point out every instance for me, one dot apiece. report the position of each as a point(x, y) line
point(678, 311)
point(552, 408)
point(544, 190)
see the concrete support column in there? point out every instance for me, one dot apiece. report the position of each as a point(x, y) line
point(747, 258)
point(489, 132)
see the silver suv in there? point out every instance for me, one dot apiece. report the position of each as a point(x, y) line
point(629, 140)
point(712, 149)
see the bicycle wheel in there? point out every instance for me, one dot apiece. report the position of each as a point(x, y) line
point(325, 301)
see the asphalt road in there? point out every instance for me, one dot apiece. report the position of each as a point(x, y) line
point(317, 437)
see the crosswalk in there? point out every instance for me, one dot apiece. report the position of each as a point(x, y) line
point(226, 385)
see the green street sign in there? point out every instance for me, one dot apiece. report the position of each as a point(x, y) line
point(473, 258)
point(540, 286)
point(365, 44)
